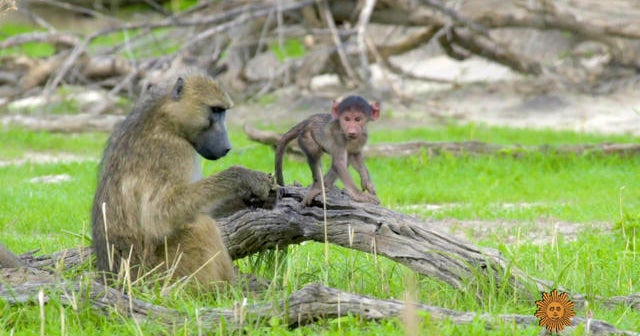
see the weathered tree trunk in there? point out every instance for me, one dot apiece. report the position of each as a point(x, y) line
point(373, 229)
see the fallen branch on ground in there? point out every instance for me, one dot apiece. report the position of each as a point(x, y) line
point(305, 306)
point(374, 229)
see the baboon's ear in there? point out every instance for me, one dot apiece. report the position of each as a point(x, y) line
point(375, 110)
point(178, 88)
point(334, 110)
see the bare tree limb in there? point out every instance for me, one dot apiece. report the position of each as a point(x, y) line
point(251, 12)
point(374, 229)
point(361, 28)
point(474, 26)
point(460, 35)
point(305, 306)
point(491, 50)
point(336, 40)
point(60, 39)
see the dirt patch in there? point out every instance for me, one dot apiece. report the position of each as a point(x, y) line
point(537, 232)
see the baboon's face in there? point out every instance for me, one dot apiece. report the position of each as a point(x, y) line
point(213, 142)
point(353, 123)
point(203, 105)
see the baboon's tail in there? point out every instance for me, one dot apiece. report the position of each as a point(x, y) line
point(282, 146)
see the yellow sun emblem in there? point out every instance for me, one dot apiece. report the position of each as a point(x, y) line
point(555, 311)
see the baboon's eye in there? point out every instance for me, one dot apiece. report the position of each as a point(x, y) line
point(217, 109)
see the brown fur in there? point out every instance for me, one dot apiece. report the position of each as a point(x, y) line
point(156, 204)
point(8, 259)
point(342, 134)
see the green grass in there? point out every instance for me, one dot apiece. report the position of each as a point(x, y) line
point(17, 142)
point(596, 191)
point(31, 49)
point(157, 43)
point(290, 48)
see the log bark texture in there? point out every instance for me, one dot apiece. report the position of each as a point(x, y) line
point(373, 229)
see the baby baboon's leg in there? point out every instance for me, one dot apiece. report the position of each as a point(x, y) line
point(357, 161)
point(330, 178)
point(316, 187)
point(313, 153)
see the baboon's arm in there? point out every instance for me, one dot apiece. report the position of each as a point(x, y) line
point(357, 161)
point(339, 164)
point(183, 203)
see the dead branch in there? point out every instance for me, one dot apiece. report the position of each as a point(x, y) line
point(307, 305)
point(411, 42)
point(462, 32)
point(490, 49)
point(328, 16)
point(466, 147)
point(361, 28)
point(551, 18)
point(78, 123)
point(439, 6)
point(65, 63)
point(56, 38)
point(373, 229)
point(476, 40)
point(70, 258)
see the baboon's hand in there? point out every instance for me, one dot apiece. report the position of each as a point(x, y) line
point(373, 199)
point(365, 198)
point(257, 188)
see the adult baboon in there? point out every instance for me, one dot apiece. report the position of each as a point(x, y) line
point(151, 206)
point(342, 134)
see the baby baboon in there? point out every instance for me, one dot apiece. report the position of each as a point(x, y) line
point(151, 206)
point(342, 134)
point(8, 259)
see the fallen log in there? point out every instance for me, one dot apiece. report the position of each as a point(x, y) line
point(374, 229)
point(307, 305)
point(78, 123)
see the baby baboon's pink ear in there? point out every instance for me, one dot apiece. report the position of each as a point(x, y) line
point(375, 110)
point(334, 110)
